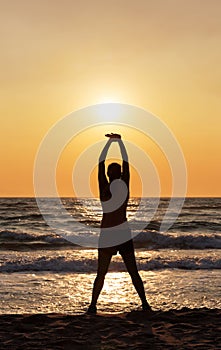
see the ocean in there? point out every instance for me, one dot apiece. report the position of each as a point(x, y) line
point(42, 272)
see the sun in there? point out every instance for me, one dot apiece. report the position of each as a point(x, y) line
point(110, 99)
point(109, 107)
point(110, 111)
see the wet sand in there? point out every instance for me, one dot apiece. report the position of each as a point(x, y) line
point(174, 329)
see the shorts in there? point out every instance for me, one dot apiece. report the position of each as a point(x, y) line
point(124, 248)
point(114, 238)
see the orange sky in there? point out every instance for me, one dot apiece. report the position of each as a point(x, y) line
point(161, 55)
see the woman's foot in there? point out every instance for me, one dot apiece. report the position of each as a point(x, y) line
point(92, 310)
point(146, 306)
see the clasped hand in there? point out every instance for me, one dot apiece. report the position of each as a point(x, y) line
point(113, 136)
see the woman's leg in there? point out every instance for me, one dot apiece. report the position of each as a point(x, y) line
point(104, 259)
point(130, 262)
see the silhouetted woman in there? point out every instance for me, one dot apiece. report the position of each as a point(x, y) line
point(115, 234)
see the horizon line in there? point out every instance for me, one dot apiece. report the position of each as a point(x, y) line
point(190, 196)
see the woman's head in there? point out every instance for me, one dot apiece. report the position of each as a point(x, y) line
point(114, 171)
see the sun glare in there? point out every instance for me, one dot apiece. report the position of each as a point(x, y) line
point(110, 112)
point(108, 99)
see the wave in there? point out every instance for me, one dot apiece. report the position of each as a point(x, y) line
point(23, 217)
point(147, 239)
point(61, 264)
point(190, 225)
point(199, 225)
point(9, 236)
point(156, 240)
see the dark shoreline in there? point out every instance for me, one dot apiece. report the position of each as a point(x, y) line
point(174, 329)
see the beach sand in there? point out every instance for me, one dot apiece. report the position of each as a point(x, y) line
point(174, 329)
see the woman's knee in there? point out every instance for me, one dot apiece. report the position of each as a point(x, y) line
point(135, 276)
point(101, 275)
